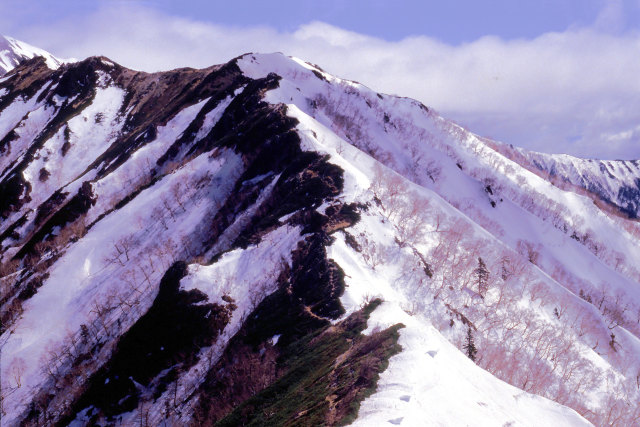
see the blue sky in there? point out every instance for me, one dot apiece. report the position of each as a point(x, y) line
point(453, 21)
point(554, 76)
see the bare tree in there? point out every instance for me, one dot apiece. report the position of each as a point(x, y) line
point(372, 253)
point(18, 366)
point(168, 208)
point(158, 216)
point(528, 250)
point(178, 192)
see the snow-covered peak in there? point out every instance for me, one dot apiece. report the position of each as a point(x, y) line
point(13, 52)
point(259, 65)
point(200, 225)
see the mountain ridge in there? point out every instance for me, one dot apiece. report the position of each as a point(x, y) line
point(284, 189)
point(13, 52)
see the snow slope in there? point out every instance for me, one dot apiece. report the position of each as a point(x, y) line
point(13, 51)
point(244, 172)
point(498, 195)
point(430, 382)
point(615, 181)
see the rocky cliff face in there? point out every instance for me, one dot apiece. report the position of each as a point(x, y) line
point(262, 242)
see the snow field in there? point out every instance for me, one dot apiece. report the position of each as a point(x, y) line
point(91, 133)
point(437, 199)
point(364, 279)
point(431, 383)
point(28, 117)
point(94, 271)
point(247, 276)
point(13, 51)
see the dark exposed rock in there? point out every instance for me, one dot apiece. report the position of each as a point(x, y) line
point(168, 336)
point(78, 80)
point(629, 199)
point(76, 206)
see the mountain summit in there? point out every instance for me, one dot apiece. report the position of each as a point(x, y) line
point(13, 52)
point(260, 242)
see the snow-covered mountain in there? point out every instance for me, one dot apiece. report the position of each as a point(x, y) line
point(262, 242)
point(13, 52)
point(614, 182)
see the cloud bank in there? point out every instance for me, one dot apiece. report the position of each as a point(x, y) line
point(575, 92)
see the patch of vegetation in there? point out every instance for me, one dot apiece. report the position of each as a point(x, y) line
point(67, 141)
point(319, 75)
point(5, 143)
point(76, 80)
point(342, 216)
point(43, 175)
point(168, 337)
point(12, 189)
point(327, 373)
point(307, 290)
point(26, 80)
point(52, 214)
point(32, 287)
point(12, 231)
point(350, 240)
point(304, 184)
point(50, 206)
point(317, 281)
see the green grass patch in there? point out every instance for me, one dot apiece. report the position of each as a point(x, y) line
point(327, 373)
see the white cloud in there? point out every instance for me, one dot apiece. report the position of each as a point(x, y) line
point(611, 17)
point(577, 91)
